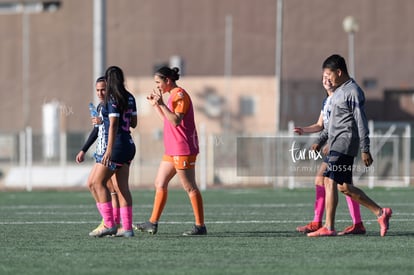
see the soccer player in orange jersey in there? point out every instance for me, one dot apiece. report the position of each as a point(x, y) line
point(181, 149)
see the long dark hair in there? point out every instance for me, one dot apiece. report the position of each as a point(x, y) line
point(115, 88)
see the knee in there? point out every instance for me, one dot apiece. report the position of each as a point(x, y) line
point(90, 185)
point(95, 184)
point(192, 190)
point(160, 185)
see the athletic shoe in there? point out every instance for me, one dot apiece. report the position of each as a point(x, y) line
point(355, 229)
point(124, 233)
point(196, 231)
point(148, 226)
point(97, 229)
point(310, 227)
point(384, 221)
point(322, 232)
point(105, 231)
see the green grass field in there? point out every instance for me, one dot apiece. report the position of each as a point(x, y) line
point(250, 231)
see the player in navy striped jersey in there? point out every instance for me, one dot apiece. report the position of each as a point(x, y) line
point(97, 135)
point(119, 115)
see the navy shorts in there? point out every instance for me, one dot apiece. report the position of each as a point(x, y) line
point(339, 167)
point(123, 151)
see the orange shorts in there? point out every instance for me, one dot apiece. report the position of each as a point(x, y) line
point(181, 162)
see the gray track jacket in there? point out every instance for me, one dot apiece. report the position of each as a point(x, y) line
point(347, 130)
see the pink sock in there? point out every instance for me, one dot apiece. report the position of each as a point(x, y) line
point(107, 214)
point(126, 216)
point(319, 203)
point(354, 210)
point(117, 215)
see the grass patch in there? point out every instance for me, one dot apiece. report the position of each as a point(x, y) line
point(250, 231)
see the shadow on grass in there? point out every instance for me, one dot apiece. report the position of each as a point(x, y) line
point(389, 234)
point(255, 234)
point(272, 234)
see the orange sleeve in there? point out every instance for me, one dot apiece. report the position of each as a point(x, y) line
point(181, 102)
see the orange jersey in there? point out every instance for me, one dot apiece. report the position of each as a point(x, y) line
point(180, 140)
point(180, 101)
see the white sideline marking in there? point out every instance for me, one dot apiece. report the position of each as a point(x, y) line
point(89, 209)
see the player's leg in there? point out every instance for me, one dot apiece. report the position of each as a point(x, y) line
point(383, 214)
point(166, 172)
point(90, 181)
point(121, 185)
point(114, 199)
point(357, 227)
point(103, 197)
point(331, 202)
point(334, 174)
point(93, 193)
point(186, 172)
point(359, 196)
point(319, 205)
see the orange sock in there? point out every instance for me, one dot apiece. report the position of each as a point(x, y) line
point(160, 200)
point(197, 204)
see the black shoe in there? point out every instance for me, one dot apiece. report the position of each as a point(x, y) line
point(148, 226)
point(197, 230)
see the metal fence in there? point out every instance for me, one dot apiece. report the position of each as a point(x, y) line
point(34, 161)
